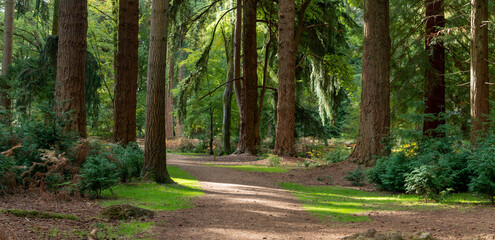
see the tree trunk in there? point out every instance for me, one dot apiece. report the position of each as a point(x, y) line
point(284, 144)
point(56, 7)
point(434, 72)
point(127, 72)
point(227, 95)
point(249, 89)
point(237, 55)
point(375, 96)
point(8, 38)
point(155, 151)
point(71, 63)
point(169, 116)
point(179, 127)
point(480, 107)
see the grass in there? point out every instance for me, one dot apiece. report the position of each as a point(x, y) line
point(156, 197)
point(252, 168)
point(39, 214)
point(339, 204)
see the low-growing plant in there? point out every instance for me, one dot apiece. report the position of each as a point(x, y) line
point(6, 165)
point(336, 155)
point(130, 161)
point(98, 174)
point(357, 177)
point(424, 181)
point(482, 163)
point(274, 160)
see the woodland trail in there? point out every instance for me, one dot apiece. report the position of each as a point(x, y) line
point(239, 205)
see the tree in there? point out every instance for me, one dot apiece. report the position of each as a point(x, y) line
point(56, 7)
point(155, 139)
point(71, 60)
point(8, 39)
point(169, 101)
point(227, 94)
point(249, 89)
point(375, 96)
point(435, 70)
point(127, 72)
point(480, 107)
point(284, 145)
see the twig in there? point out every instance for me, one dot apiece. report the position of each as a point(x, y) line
point(223, 84)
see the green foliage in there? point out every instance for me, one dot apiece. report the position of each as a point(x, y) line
point(335, 155)
point(357, 177)
point(424, 181)
point(157, 197)
point(130, 161)
point(274, 160)
point(6, 165)
point(482, 163)
point(98, 174)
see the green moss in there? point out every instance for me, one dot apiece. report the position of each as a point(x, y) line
point(339, 204)
point(39, 214)
point(156, 197)
point(252, 168)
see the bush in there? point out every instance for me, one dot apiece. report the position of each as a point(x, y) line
point(98, 174)
point(357, 177)
point(130, 161)
point(336, 155)
point(482, 163)
point(274, 160)
point(424, 181)
point(389, 172)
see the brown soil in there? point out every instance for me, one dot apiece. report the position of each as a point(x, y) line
point(246, 205)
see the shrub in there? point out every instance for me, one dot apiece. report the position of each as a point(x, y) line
point(424, 181)
point(389, 172)
point(357, 177)
point(482, 163)
point(274, 160)
point(336, 155)
point(98, 174)
point(130, 161)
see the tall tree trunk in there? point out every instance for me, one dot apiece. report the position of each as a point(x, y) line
point(227, 94)
point(480, 108)
point(127, 72)
point(179, 127)
point(434, 72)
point(155, 151)
point(169, 116)
point(71, 63)
point(249, 89)
point(56, 7)
point(284, 144)
point(375, 96)
point(8, 38)
point(237, 55)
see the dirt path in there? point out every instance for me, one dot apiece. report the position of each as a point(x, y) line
point(247, 205)
point(239, 205)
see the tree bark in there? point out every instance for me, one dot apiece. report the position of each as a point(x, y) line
point(249, 89)
point(56, 7)
point(227, 95)
point(480, 107)
point(179, 127)
point(237, 55)
point(435, 70)
point(284, 144)
point(155, 151)
point(127, 72)
point(169, 116)
point(71, 63)
point(8, 42)
point(375, 96)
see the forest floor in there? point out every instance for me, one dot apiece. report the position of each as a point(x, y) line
point(248, 205)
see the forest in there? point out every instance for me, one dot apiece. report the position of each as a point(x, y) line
point(247, 119)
